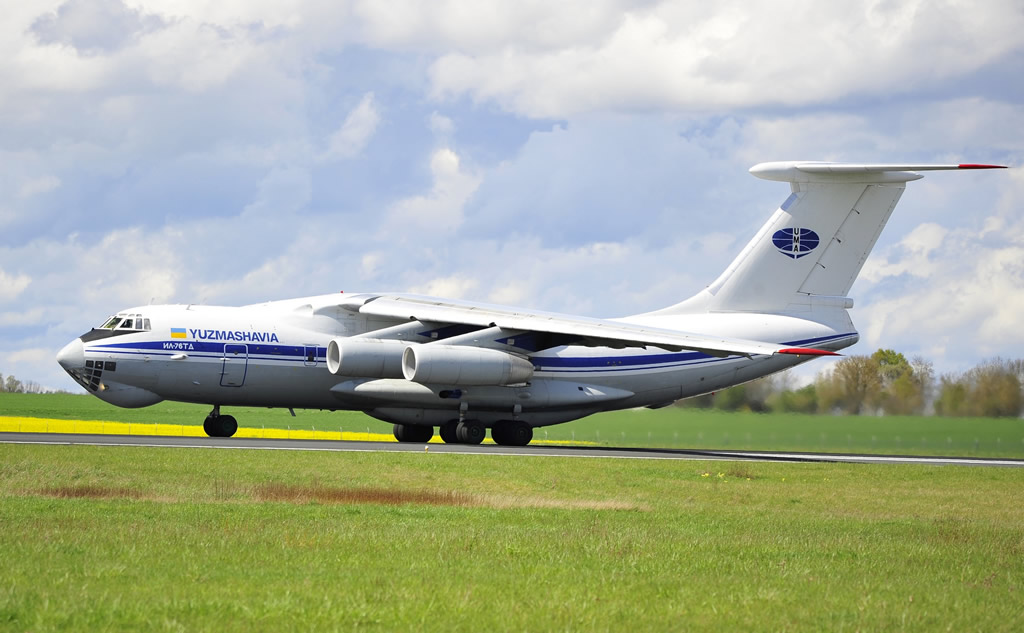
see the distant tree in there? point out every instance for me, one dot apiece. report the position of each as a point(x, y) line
point(883, 382)
point(906, 386)
point(853, 386)
point(2, 388)
point(992, 389)
point(802, 400)
point(705, 401)
point(750, 396)
point(13, 385)
point(996, 389)
point(952, 399)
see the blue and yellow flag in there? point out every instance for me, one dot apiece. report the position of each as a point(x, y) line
point(178, 332)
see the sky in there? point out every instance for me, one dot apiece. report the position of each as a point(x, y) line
point(587, 157)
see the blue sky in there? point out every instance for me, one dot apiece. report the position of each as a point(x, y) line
point(586, 157)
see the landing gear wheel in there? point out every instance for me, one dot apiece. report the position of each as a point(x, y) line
point(498, 434)
point(413, 433)
point(220, 425)
point(512, 434)
point(470, 432)
point(228, 425)
point(448, 432)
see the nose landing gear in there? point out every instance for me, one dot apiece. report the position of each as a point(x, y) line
point(217, 425)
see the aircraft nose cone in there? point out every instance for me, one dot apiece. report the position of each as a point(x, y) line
point(72, 356)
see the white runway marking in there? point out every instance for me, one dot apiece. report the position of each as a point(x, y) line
point(462, 449)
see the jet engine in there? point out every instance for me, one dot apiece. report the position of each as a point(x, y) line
point(458, 365)
point(370, 358)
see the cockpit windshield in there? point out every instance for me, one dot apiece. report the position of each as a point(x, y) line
point(132, 322)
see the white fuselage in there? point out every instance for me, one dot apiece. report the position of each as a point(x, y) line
point(274, 355)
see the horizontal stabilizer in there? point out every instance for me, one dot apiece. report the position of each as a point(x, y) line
point(814, 171)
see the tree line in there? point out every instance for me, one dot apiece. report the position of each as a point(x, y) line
point(883, 383)
point(10, 384)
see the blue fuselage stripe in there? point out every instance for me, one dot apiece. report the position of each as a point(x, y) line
point(549, 364)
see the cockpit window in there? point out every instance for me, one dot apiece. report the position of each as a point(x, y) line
point(134, 322)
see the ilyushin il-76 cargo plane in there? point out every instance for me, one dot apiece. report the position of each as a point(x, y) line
point(465, 367)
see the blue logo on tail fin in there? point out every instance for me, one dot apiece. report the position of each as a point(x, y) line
point(795, 242)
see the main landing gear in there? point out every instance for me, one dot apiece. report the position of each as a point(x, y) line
point(217, 425)
point(510, 433)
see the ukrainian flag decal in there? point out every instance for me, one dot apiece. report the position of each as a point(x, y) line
point(178, 332)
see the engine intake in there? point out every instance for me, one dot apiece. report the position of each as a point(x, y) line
point(370, 358)
point(458, 365)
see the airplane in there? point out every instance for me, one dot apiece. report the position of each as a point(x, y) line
point(464, 367)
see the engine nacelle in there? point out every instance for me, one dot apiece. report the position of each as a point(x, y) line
point(370, 358)
point(458, 365)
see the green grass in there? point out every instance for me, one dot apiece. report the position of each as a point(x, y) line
point(670, 427)
point(710, 429)
point(117, 538)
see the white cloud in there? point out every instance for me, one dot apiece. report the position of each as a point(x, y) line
point(454, 287)
point(12, 285)
point(35, 355)
point(915, 256)
point(669, 55)
point(441, 125)
point(31, 316)
point(950, 295)
point(355, 132)
point(369, 265)
point(439, 211)
point(92, 26)
point(37, 186)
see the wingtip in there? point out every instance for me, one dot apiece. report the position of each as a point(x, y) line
point(979, 166)
point(807, 351)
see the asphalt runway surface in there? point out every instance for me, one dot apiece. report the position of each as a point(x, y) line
point(489, 449)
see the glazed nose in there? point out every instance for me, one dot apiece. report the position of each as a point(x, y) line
point(72, 356)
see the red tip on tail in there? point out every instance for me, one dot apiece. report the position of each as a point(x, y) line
point(807, 351)
point(977, 166)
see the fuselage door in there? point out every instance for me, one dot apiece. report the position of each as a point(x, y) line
point(309, 358)
point(236, 362)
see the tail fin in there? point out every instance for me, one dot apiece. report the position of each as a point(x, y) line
point(811, 250)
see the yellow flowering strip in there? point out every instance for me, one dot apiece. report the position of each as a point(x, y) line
point(105, 427)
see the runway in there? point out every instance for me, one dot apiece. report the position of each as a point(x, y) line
point(489, 449)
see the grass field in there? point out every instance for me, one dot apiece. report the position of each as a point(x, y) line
point(116, 538)
point(671, 427)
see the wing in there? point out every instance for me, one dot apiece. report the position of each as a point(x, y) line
point(588, 331)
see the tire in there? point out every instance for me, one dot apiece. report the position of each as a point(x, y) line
point(470, 432)
point(227, 425)
point(448, 433)
point(519, 434)
point(499, 435)
point(413, 433)
point(220, 426)
point(512, 434)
